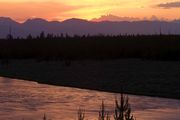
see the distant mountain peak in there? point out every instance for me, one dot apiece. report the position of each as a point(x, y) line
point(177, 21)
point(35, 20)
point(75, 20)
point(6, 20)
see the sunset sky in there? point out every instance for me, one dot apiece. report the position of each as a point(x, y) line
point(20, 10)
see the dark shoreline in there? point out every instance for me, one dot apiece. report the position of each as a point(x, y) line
point(147, 78)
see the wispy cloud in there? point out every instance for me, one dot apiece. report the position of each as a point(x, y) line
point(170, 5)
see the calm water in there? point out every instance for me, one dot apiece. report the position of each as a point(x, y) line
point(30, 100)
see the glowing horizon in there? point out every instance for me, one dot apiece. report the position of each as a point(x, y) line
point(21, 10)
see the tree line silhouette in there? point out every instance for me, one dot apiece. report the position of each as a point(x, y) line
point(65, 47)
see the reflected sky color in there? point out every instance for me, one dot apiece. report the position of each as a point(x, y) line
point(21, 10)
point(29, 100)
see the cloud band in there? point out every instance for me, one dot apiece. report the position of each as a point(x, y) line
point(169, 5)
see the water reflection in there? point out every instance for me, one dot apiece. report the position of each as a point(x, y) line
point(29, 100)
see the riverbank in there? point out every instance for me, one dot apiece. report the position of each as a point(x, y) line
point(150, 78)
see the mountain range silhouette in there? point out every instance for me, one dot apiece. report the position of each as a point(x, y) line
point(83, 27)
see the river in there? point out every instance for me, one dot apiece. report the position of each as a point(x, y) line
point(24, 100)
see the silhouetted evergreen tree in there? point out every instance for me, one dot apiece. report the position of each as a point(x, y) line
point(42, 35)
point(29, 37)
point(9, 37)
point(123, 109)
point(103, 115)
point(49, 37)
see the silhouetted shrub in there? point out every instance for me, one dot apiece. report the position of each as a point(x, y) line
point(81, 114)
point(103, 115)
point(122, 110)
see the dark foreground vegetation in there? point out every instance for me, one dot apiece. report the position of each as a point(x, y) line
point(122, 111)
point(97, 62)
point(64, 47)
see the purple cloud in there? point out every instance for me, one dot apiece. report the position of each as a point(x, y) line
point(169, 5)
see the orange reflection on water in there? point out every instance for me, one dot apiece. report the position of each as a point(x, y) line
point(29, 100)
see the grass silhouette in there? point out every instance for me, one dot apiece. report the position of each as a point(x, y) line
point(122, 111)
